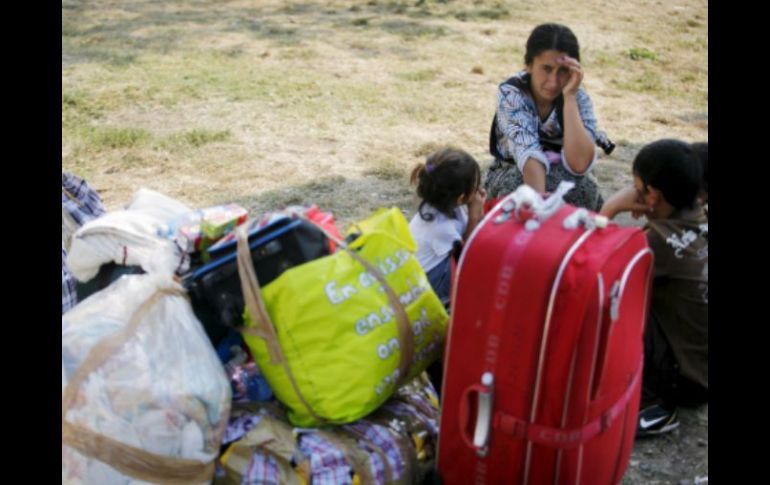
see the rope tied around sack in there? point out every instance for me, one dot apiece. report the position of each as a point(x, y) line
point(127, 459)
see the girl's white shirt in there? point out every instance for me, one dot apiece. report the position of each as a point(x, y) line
point(435, 238)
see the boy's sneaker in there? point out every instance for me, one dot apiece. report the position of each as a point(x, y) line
point(656, 420)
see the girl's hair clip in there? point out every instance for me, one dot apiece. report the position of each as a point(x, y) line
point(428, 167)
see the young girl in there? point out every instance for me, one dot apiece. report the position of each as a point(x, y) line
point(451, 207)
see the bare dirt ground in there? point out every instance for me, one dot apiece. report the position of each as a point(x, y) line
point(270, 103)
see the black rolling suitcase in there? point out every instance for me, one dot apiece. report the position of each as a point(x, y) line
point(215, 287)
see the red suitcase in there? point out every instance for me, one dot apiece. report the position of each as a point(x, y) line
point(542, 371)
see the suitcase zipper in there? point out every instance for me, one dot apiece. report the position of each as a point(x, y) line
point(599, 313)
point(544, 340)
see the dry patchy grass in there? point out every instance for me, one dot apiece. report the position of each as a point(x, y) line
point(212, 101)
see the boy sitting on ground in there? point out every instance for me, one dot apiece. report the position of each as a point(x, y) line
point(667, 183)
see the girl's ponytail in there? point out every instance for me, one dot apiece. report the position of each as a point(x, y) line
point(417, 172)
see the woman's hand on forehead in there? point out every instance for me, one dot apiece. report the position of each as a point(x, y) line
point(575, 73)
point(567, 60)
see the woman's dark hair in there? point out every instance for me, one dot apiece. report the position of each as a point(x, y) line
point(551, 36)
point(445, 176)
point(560, 38)
point(673, 167)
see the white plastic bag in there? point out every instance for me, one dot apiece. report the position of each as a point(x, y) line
point(138, 369)
point(157, 205)
point(127, 238)
point(131, 237)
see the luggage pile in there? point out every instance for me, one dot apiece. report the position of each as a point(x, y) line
point(208, 346)
point(394, 444)
point(190, 323)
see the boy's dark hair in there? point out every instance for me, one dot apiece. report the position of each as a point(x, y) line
point(445, 176)
point(551, 37)
point(672, 167)
point(702, 150)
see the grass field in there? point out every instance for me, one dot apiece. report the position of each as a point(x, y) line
point(269, 103)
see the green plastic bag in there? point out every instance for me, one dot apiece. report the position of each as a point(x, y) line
point(333, 342)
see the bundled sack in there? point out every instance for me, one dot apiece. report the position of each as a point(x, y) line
point(130, 237)
point(144, 396)
point(395, 444)
point(126, 242)
point(336, 336)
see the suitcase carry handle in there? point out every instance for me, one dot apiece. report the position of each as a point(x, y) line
point(526, 198)
point(484, 395)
